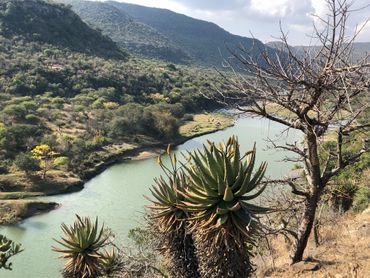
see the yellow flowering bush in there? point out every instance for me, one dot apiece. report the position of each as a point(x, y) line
point(45, 155)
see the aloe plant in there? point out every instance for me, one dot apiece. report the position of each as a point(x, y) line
point(111, 262)
point(221, 186)
point(82, 246)
point(168, 221)
point(8, 249)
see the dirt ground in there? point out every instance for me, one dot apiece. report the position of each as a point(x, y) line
point(344, 252)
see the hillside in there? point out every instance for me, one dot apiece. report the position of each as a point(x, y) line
point(162, 34)
point(139, 38)
point(71, 97)
point(36, 20)
point(343, 252)
point(204, 41)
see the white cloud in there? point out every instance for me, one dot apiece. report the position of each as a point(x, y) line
point(279, 8)
point(261, 17)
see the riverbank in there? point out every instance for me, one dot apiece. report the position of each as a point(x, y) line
point(18, 189)
point(13, 211)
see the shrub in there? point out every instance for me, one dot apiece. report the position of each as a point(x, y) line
point(362, 199)
point(61, 162)
point(25, 162)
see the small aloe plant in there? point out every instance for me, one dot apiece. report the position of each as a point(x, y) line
point(82, 246)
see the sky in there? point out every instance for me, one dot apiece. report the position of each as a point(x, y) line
point(260, 18)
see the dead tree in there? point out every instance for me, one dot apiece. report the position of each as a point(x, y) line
point(323, 88)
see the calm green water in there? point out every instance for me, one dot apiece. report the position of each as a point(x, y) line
point(116, 197)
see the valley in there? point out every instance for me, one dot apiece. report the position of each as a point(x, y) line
point(178, 148)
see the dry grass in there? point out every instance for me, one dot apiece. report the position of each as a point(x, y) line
point(205, 123)
point(14, 210)
point(344, 252)
point(20, 184)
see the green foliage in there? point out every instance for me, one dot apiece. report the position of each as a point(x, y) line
point(222, 184)
point(167, 218)
point(147, 32)
point(221, 187)
point(61, 162)
point(142, 238)
point(213, 192)
point(347, 189)
point(48, 90)
point(8, 249)
point(361, 199)
point(127, 32)
point(65, 29)
point(25, 162)
point(82, 246)
point(166, 211)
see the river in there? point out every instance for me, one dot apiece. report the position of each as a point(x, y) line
point(116, 197)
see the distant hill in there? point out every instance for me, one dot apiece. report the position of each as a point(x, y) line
point(360, 49)
point(204, 41)
point(160, 33)
point(137, 37)
point(37, 20)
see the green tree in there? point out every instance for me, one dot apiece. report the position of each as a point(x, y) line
point(25, 162)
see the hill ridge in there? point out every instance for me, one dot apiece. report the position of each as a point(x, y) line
point(55, 24)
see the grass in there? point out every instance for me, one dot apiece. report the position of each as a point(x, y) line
point(18, 184)
point(12, 211)
point(18, 195)
point(205, 123)
point(343, 251)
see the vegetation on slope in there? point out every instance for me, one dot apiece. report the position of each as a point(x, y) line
point(86, 109)
point(163, 34)
point(37, 20)
point(139, 38)
point(204, 41)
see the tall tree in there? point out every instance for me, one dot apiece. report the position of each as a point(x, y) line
point(323, 89)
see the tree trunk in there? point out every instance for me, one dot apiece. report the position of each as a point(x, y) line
point(305, 228)
point(313, 175)
point(43, 176)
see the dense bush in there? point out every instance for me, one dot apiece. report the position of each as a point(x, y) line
point(25, 162)
point(78, 103)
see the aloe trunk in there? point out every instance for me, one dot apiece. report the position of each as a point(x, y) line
point(179, 254)
point(222, 261)
point(168, 222)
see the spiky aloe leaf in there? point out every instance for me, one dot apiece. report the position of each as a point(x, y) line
point(81, 245)
point(167, 193)
point(221, 184)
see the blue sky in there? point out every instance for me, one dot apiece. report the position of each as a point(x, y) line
point(261, 17)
